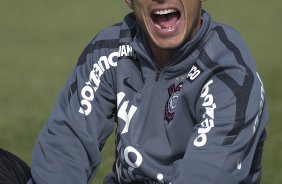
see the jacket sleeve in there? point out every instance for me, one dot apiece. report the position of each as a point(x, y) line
point(227, 143)
point(68, 148)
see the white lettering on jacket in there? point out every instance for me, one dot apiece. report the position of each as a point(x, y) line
point(122, 114)
point(125, 167)
point(208, 122)
point(88, 91)
point(126, 51)
point(129, 159)
point(193, 73)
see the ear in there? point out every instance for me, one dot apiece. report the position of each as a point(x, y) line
point(129, 3)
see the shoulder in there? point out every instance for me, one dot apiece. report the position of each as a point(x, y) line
point(110, 37)
point(230, 31)
point(107, 38)
point(229, 39)
point(109, 33)
point(226, 56)
point(102, 45)
point(226, 47)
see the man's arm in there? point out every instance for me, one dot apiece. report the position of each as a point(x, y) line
point(227, 144)
point(68, 147)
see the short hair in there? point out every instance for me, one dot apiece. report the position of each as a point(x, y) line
point(13, 170)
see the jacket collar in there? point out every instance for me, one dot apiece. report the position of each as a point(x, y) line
point(131, 34)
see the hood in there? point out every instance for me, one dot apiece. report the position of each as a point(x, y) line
point(131, 33)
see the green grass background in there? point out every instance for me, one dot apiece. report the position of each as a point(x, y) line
point(40, 41)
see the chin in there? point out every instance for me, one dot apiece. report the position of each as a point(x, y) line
point(168, 43)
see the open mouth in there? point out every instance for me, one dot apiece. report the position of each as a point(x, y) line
point(166, 19)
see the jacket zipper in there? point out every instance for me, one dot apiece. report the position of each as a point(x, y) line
point(158, 72)
point(157, 75)
point(144, 126)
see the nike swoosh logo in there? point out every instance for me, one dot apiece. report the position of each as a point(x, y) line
point(126, 83)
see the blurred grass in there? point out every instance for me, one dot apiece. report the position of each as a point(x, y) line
point(40, 41)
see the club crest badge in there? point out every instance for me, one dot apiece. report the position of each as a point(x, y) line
point(172, 101)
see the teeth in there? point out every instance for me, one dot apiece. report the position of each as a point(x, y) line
point(164, 12)
point(166, 28)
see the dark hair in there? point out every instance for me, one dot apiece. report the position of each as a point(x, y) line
point(13, 170)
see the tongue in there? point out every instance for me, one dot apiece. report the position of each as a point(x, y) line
point(166, 21)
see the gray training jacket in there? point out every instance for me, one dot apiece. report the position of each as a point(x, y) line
point(200, 119)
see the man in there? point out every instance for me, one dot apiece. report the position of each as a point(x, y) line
point(184, 91)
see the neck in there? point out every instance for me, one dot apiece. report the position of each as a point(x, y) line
point(162, 56)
